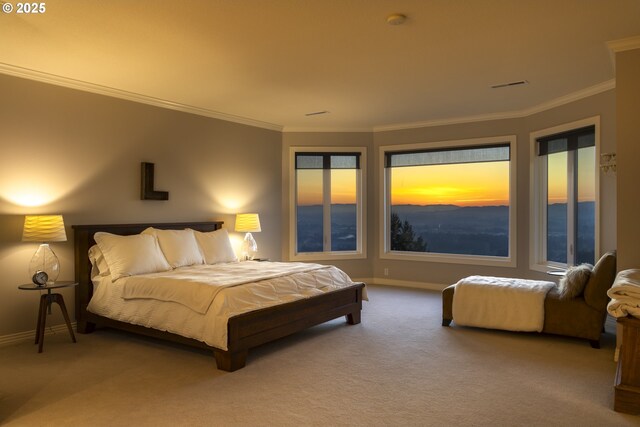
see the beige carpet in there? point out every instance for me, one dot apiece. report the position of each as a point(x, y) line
point(398, 368)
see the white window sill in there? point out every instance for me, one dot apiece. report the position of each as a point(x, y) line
point(450, 259)
point(327, 256)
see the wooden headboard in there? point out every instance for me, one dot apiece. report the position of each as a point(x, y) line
point(83, 239)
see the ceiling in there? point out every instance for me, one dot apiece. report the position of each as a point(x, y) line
point(269, 63)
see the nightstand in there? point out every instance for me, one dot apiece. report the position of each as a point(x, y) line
point(45, 307)
point(627, 380)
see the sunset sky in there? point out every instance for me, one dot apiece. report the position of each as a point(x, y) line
point(472, 184)
point(557, 170)
point(343, 186)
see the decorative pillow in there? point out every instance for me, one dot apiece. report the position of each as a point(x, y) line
point(574, 281)
point(178, 246)
point(602, 277)
point(99, 266)
point(216, 246)
point(131, 255)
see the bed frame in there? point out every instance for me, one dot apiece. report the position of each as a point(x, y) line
point(244, 331)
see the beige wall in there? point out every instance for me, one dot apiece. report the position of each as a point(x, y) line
point(420, 272)
point(628, 157)
point(80, 154)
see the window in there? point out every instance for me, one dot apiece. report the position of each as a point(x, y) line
point(565, 215)
point(327, 215)
point(450, 202)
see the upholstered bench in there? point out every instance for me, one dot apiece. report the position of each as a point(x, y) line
point(582, 316)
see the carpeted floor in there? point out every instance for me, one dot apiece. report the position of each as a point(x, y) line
point(398, 368)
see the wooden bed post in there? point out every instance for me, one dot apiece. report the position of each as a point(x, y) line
point(230, 361)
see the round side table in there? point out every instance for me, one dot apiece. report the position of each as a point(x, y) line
point(45, 306)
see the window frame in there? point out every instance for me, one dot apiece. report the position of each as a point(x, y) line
point(538, 195)
point(385, 206)
point(361, 238)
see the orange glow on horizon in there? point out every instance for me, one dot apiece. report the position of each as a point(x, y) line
point(310, 185)
point(469, 184)
point(557, 166)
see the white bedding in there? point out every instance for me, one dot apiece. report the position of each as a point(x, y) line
point(196, 286)
point(500, 303)
point(625, 294)
point(232, 299)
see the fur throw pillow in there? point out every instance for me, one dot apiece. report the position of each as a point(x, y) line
point(574, 281)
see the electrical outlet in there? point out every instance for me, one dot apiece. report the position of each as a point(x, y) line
point(386, 271)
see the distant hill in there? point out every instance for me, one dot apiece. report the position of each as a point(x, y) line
point(343, 228)
point(467, 230)
point(451, 229)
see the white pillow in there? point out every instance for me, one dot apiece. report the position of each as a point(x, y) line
point(131, 255)
point(216, 246)
point(178, 246)
point(99, 266)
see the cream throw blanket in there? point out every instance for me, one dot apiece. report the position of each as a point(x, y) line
point(625, 294)
point(500, 303)
point(196, 286)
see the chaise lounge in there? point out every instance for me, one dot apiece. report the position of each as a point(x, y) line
point(582, 316)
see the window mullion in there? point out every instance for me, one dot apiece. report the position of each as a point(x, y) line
point(387, 209)
point(572, 172)
point(543, 209)
point(326, 209)
point(359, 231)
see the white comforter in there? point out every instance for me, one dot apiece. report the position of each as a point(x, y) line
point(625, 294)
point(228, 301)
point(500, 303)
point(196, 286)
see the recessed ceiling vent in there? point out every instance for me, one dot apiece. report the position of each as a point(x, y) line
point(317, 113)
point(396, 19)
point(518, 83)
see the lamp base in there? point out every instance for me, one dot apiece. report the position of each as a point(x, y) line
point(249, 247)
point(44, 267)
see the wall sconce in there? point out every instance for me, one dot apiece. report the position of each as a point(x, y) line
point(608, 162)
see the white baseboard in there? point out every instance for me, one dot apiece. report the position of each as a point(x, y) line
point(10, 339)
point(402, 283)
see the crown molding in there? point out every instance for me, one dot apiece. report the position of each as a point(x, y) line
point(449, 121)
point(40, 76)
point(12, 70)
point(572, 97)
point(566, 99)
point(291, 129)
point(621, 45)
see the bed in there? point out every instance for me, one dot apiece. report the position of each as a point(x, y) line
point(243, 331)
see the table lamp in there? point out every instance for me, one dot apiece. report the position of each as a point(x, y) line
point(248, 223)
point(44, 266)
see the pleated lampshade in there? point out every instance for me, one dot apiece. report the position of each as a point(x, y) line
point(44, 228)
point(44, 267)
point(248, 223)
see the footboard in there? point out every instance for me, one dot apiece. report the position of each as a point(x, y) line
point(262, 326)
